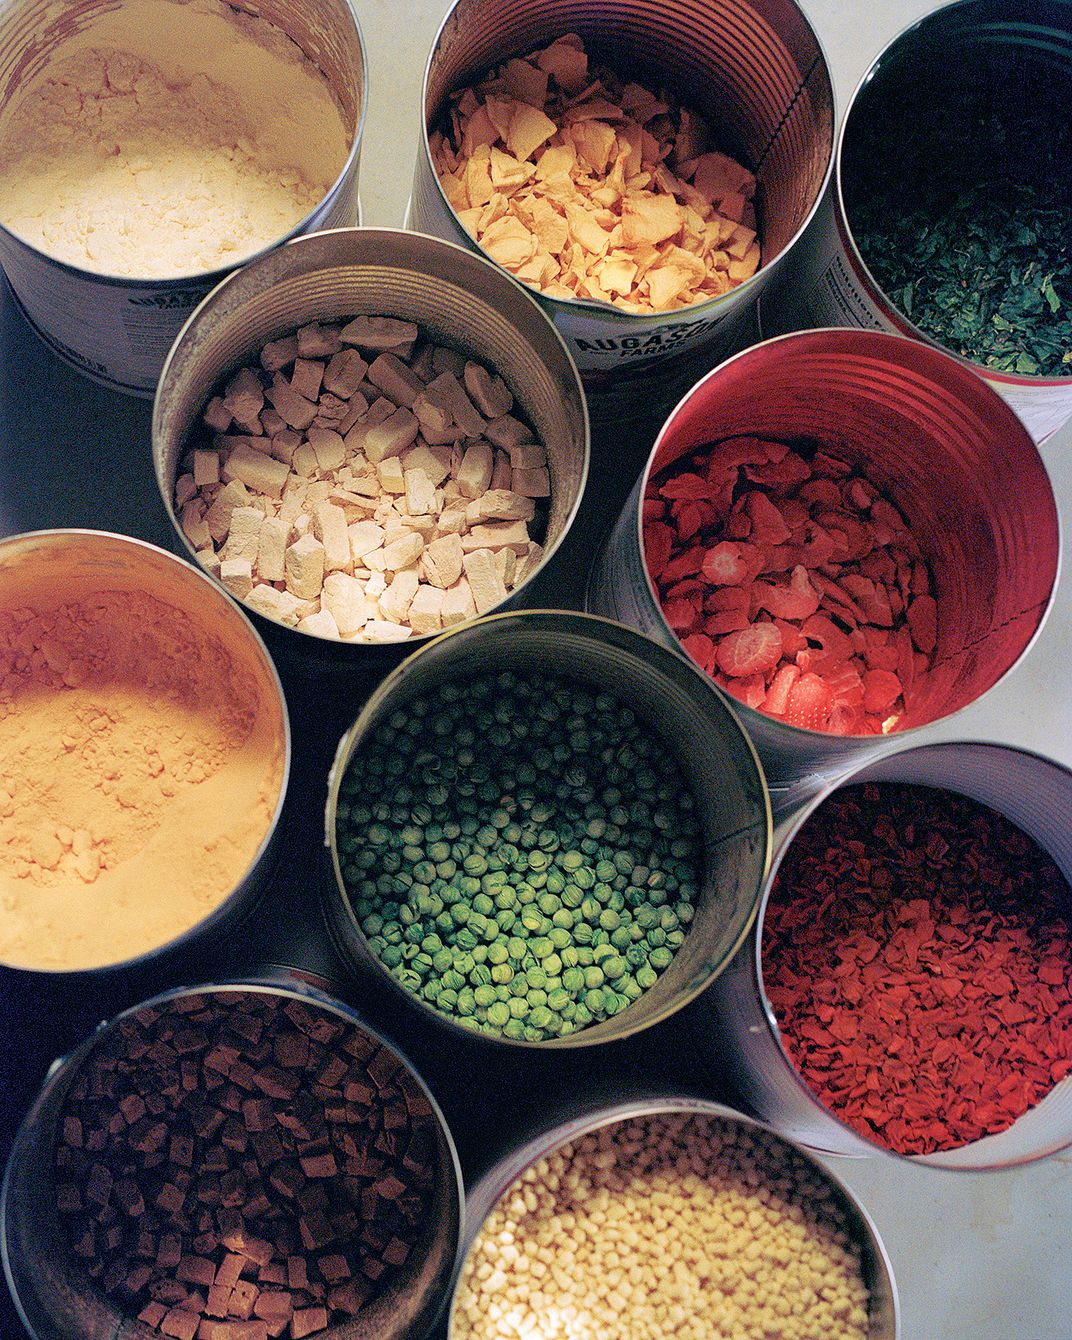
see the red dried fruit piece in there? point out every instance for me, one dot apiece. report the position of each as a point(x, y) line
point(781, 557)
point(733, 452)
point(777, 698)
point(821, 492)
point(652, 509)
point(798, 600)
point(686, 485)
point(686, 564)
point(724, 565)
point(792, 637)
point(768, 528)
point(818, 548)
point(882, 688)
point(750, 651)
point(702, 650)
point(681, 615)
point(738, 526)
point(818, 628)
point(750, 690)
point(692, 518)
point(861, 494)
point(906, 661)
point(923, 622)
point(809, 705)
point(658, 546)
point(786, 473)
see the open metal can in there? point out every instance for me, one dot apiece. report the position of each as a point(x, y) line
point(454, 296)
point(735, 1022)
point(590, 1117)
point(1012, 54)
point(114, 329)
point(940, 445)
point(670, 697)
point(58, 1300)
point(753, 69)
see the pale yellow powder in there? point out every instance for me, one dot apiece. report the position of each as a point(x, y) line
point(139, 770)
point(114, 167)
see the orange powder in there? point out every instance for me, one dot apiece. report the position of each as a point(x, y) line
point(140, 765)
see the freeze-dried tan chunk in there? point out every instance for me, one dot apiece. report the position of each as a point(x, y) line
point(295, 410)
point(484, 579)
point(441, 562)
point(236, 574)
point(364, 537)
point(377, 333)
point(489, 393)
point(425, 610)
point(420, 492)
point(318, 341)
point(328, 446)
point(474, 473)
point(389, 438)
point(256, 470)
point(345, 599)
point(395, 379)
point(305, 567)
point(395, 602)
point(532, 483)
point(344, 373)
point(403, 552)
point(271, 550)
point(329, 527)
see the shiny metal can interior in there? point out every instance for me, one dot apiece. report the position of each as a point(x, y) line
point(946, 451)
point(55, 1298)
point(671, 697)
point(884, 1308)
point(752, 68)
point(452, 294)
point(58, 565)
point(735, 1018)
point(117, 330)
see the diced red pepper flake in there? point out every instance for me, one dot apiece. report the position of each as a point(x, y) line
point(917, 952)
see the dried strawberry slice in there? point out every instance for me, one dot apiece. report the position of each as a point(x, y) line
point(810, 703)
point(882, 688)
point(798, 600)
point(923, 622)
point(702, 650)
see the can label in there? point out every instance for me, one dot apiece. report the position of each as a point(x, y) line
point(118, 332)
point(834, 291)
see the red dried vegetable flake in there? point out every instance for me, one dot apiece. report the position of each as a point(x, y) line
point(810, 548)
point(917, 954)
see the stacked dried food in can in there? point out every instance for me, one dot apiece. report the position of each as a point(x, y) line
point(365, 482)
point(675, 1224)
point(917, 954)
point(793, 581)
point(234, 1165)
point(590, 186)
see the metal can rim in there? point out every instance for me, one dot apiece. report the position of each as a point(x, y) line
point(208, 923)
point(357, 647)
point(608, 311)
point(999, 407)
point(336, 892)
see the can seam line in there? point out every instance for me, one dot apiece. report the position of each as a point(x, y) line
point(787, 113)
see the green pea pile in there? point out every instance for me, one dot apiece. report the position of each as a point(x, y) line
point(520, 853)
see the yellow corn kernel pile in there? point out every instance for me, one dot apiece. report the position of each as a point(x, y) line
point(683, 1225)
point(585, 187)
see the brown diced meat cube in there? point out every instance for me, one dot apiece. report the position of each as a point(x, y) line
point(308, 1321)
point(170, 1199)
point(219, 1299)
point(334, 1267)
point(137, 1279)
point(276, 1083)
point(233, 1330)
point(169, 1251)
point(257, 1114)
point(152, 1314)
point(316, 1230)
point(291, 1049)
point(389, 1187)
point(319, 1165)
point(196, 1270)
point(396, 1252)
point(382, 1068)
point(286, 1178)
point(243, 1296)
point(230, 1270)
point(180, 1324)
point(181, 1150)
point(169, 1291)
point(258, 1250)
point(273, 1304)
point(350, 1297)
point(272, 1272)
point(68, 1198)
point(297, 1272)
